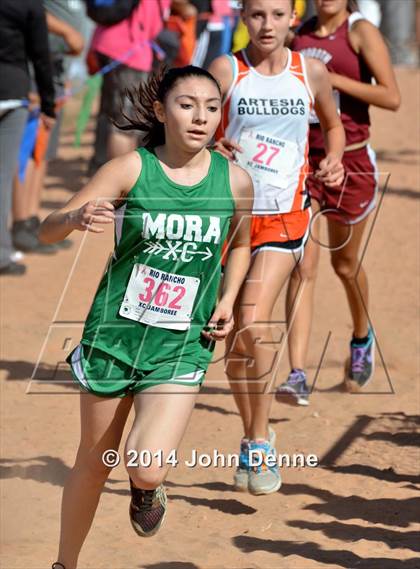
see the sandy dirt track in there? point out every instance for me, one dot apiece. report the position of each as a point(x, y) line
point(357, 510)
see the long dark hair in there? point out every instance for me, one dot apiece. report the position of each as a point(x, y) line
point(156, 88)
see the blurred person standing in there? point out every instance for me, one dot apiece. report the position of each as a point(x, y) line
point(214, 30)
point(23, 37)
point(398, 27)
point(418, 29)
point(182, 21)
point(64, 20)
point(128, 46)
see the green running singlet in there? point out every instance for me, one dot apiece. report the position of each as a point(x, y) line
point(160, 288)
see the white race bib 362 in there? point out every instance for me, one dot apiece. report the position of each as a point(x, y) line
point(158, 298)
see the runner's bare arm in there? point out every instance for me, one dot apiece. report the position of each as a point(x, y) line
point(239, 253)
point(367, 40)
point(331, 171)
point(221, 69)
point(93, 204)
point(240, 231)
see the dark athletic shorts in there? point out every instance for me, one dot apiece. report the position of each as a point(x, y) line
point(115, 82)
point(356, 198)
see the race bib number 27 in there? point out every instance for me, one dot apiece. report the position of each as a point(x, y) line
point(158, 298)
point(268, 159)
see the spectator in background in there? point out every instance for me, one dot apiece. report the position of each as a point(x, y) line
point(64, 19)
point(23, 37)
point(214, 30)
point(398, 27)
point(418, 29)
point(182, 20)
point(128, 42)
point(396, 20)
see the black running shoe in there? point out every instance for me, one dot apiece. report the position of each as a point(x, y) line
point(147, 510)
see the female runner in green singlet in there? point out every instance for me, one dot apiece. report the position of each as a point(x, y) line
point(149, 334)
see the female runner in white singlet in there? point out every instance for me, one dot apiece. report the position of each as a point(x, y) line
point(269, 93)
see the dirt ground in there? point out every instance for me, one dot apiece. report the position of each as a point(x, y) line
point(358, 509)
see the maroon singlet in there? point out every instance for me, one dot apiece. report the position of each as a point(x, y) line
point(336, 52)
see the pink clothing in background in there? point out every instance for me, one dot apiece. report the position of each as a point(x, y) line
point(134, 33)
point(220, 9)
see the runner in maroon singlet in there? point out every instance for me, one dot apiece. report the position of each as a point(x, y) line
point(355, 53)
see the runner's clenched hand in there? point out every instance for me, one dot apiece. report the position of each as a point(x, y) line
point(331, 171)
point(221, 323)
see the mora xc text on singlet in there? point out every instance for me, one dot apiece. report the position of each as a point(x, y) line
point(160, 287)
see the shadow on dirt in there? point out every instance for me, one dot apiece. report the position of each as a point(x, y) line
point(351, 532)
point(314, 552)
